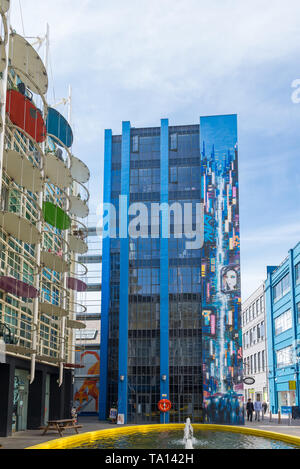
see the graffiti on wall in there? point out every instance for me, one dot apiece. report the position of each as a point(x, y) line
point(86, 387)
point(221, 289)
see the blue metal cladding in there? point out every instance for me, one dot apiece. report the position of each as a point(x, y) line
point(105, 279)
point(278, 303)
point(164, 267)
point(220, 267)
point(124, 273)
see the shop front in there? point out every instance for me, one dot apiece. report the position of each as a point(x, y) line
point(25, 406)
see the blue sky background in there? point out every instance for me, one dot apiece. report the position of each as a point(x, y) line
point(143, 61)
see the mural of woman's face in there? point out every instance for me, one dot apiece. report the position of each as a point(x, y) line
point(231, 279)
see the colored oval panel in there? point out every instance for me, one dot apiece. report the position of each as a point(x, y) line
point(18, 288)
point(77, 285)
point(23, 113)
point(55, 216)
point(59, 127)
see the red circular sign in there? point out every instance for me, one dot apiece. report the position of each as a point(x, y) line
point(164, 405)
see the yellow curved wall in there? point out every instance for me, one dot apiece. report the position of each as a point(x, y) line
point(87, 438)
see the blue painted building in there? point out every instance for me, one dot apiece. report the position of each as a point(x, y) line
point(282, 290)
point(171, 314)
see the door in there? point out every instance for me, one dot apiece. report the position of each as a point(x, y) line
point(47, 399)
point(20, 406)
point(143, 409)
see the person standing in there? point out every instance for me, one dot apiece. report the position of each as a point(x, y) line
point(265, 407)
point(257, 409)
point(250, 410)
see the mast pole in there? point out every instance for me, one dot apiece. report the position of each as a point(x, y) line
point(3, 83)
point(63, 321)
point(38, 246)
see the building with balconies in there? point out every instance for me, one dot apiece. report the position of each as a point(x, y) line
point(43, 202)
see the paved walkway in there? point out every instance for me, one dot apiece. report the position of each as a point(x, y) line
point(286, 427)
point(29, 438)
point(24, 440)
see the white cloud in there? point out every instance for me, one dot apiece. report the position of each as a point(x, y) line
point(140, 61)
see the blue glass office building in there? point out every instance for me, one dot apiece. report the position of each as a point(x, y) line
point(283, 332)
point(171, 315)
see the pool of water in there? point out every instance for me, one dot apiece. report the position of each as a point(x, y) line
point(173, 439)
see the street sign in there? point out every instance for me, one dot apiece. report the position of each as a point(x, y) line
point(286, 410)
point(249, 381)
point(292, 385)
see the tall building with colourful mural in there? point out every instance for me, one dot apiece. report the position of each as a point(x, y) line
point(170, 320)
point(220, 268)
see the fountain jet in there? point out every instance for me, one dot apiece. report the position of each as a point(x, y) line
point(188, 435)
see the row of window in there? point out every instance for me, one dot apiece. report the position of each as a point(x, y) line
point(284, 357)
point(175, 141)
point(254, 335)
point(255, 363)
point(281, 288)
point(284, 322)
point(254, 310)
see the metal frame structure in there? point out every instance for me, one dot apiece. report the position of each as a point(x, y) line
point(34, 249)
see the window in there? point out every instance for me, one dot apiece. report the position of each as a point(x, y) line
point(255, 367)
point(254, 335)
point(258, 362)
point(135, 144)
point(262, 305)
point(263, 361)
point(258, 332)
point(283, 322)
point(173, 176)
point(247, 339)
point(298, 310)
point(257, 308)
point(297, 273)
point(262, 330)
point(281, 288)
point(284, 357)
point(174, 142)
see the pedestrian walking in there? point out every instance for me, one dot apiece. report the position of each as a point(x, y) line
point(257, 409)
point(265, 407)
point(250, 410)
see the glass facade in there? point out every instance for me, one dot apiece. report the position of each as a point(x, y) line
point(185, 334)
point(144, 298)
point(164, 341)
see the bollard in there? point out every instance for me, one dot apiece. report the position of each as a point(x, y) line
point(290, 419)
point(270, 416)
point(279, 417)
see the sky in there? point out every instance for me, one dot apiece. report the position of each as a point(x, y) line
point(182, 59)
